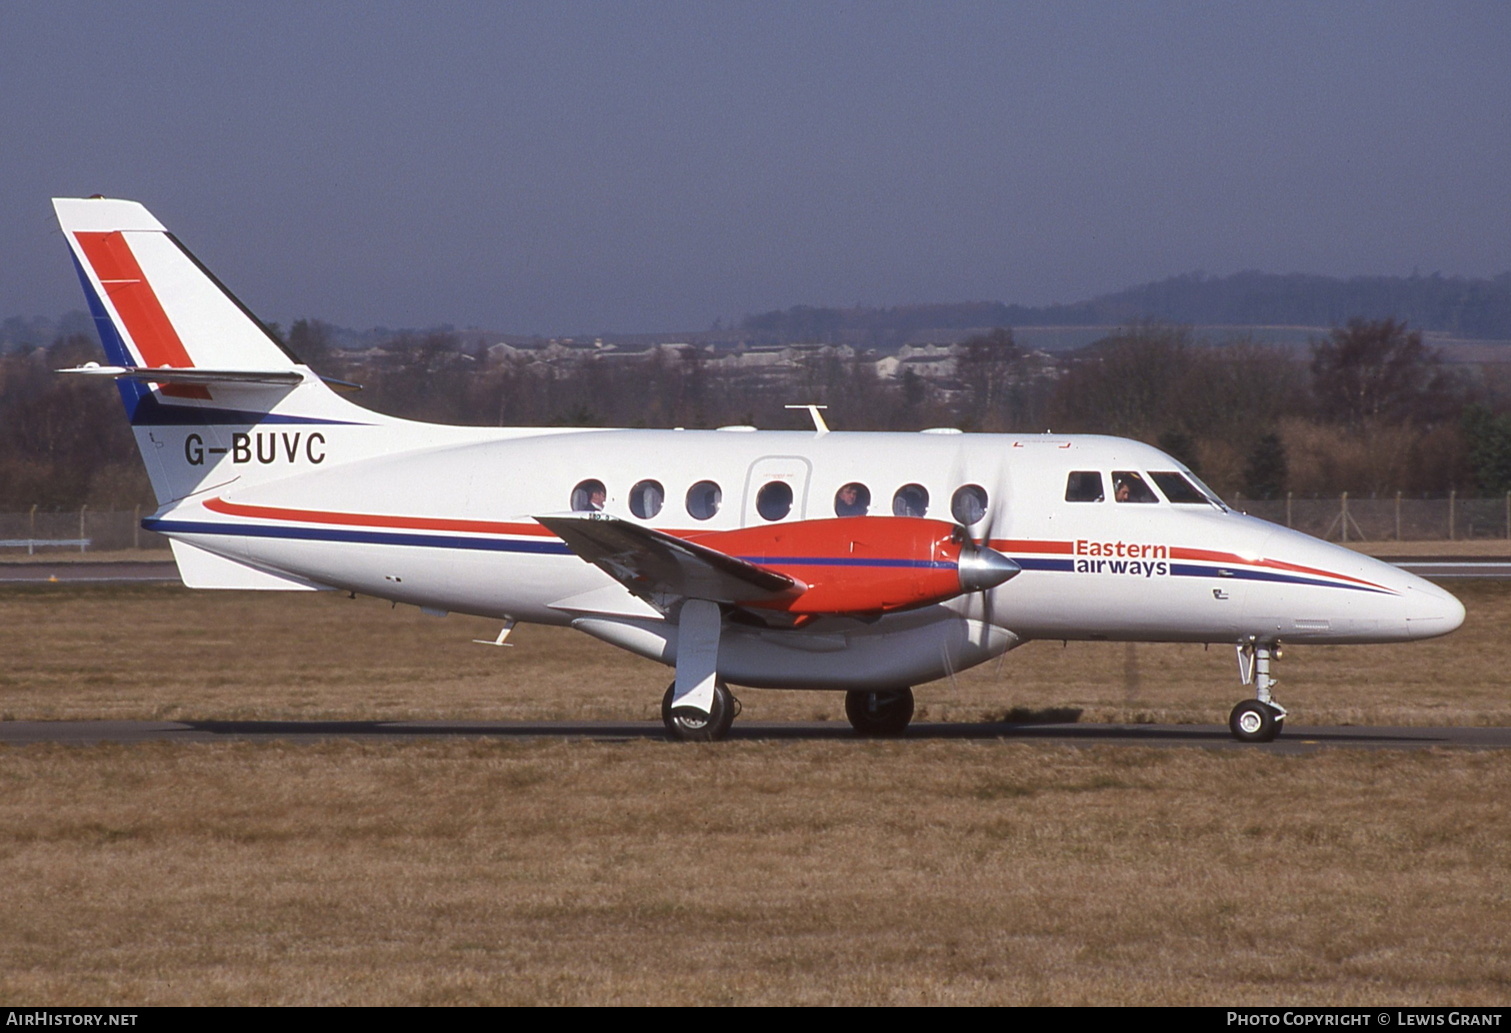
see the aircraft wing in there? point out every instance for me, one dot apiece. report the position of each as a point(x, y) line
point(664, 570)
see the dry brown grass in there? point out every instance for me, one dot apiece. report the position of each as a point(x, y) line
point(752, 872)
point(156, 652)
point(836, 871)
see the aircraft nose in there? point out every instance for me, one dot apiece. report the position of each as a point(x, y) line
point(1431, 611)
point(982, 567)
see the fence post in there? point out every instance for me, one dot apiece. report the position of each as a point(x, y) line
point(1343, 517)
point(1452, 498)
point(31, 535)
point(81, 527)
point(1398, 516)
point(1508, 514)
point(1288, 510)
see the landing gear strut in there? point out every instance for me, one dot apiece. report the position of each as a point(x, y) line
point(690, 724)
point(1259, 719)
point(880, 713)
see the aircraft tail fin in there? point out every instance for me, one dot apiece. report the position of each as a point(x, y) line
point(194, 367)
point(155, 303)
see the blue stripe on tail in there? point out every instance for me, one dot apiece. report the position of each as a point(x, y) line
point(116, 354)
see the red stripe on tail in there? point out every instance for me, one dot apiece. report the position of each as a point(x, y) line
point(134, 300)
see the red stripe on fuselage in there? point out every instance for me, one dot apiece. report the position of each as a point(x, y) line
point(315, 516)
point(136, 303)
point(1210, 556)
point(1030, 545)
point(1007, 546)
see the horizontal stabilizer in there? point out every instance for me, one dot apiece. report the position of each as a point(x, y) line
point(188, 375)
point(664, 570)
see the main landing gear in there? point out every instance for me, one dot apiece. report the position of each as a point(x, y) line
point(878, 714)
point(1259, 719)
point(690, 724)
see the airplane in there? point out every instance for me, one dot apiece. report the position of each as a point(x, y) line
point(859, 562)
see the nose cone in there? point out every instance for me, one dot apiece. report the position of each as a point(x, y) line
point(1431, 611)
point(982, 567)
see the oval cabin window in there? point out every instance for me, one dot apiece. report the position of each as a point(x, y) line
point(854, 499)
point(968, 506)
point(774, 500)
point(588, 496)
point(703, 500)
point(646, 499)
point(911, 500)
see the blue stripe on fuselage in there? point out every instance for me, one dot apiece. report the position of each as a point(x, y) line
point(323, 534)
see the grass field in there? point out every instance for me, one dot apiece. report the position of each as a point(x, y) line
point(836, 871)
point(165, 652)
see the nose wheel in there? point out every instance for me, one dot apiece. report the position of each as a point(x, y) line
point(1259, 719)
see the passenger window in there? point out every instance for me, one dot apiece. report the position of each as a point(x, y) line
point(703, 500)
point(854, 499)
point(646, 499)
point(774, 500)
point(588, 497)
point(968, 505)
point(1128, 486)
point(1177, 489)
point(911, 500)
point(1084, 486)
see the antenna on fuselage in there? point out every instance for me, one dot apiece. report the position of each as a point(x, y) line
point(813, 410)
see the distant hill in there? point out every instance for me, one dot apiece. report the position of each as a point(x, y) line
point(1462, 307)
point(1456, 306)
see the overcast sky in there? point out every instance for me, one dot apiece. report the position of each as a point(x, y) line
point(558, 167)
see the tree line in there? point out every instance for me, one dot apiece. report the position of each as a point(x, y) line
point(1370, 410)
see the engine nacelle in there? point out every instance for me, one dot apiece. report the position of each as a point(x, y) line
point(866, 564)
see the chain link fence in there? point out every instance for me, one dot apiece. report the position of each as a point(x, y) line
point(1337, 519)
point(1395, 518)
point(79, 530)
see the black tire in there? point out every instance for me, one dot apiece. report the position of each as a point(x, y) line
point(1253, 721)
point(689, 724)
point(882, 713)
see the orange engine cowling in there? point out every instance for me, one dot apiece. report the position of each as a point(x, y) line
point(866, 564)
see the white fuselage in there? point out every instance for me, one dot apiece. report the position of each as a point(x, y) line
point(449, 526)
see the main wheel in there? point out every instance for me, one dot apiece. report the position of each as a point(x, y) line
point(880, 713)
point(1253, 721)
point(690, 724)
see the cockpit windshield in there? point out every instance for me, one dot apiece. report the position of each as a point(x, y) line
point(1185, 488)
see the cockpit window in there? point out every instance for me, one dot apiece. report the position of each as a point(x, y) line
point(911, 500)
point(1211, 495)
point(1177, 489)
point(1084, 486)
point(588, 496)
point(1128, 486)
point(854, 499)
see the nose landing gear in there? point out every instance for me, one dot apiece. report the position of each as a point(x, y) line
point(1259, 719)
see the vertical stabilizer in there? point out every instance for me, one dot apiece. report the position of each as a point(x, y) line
point(204, 382)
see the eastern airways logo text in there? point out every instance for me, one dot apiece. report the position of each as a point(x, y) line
point(1132, 558)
